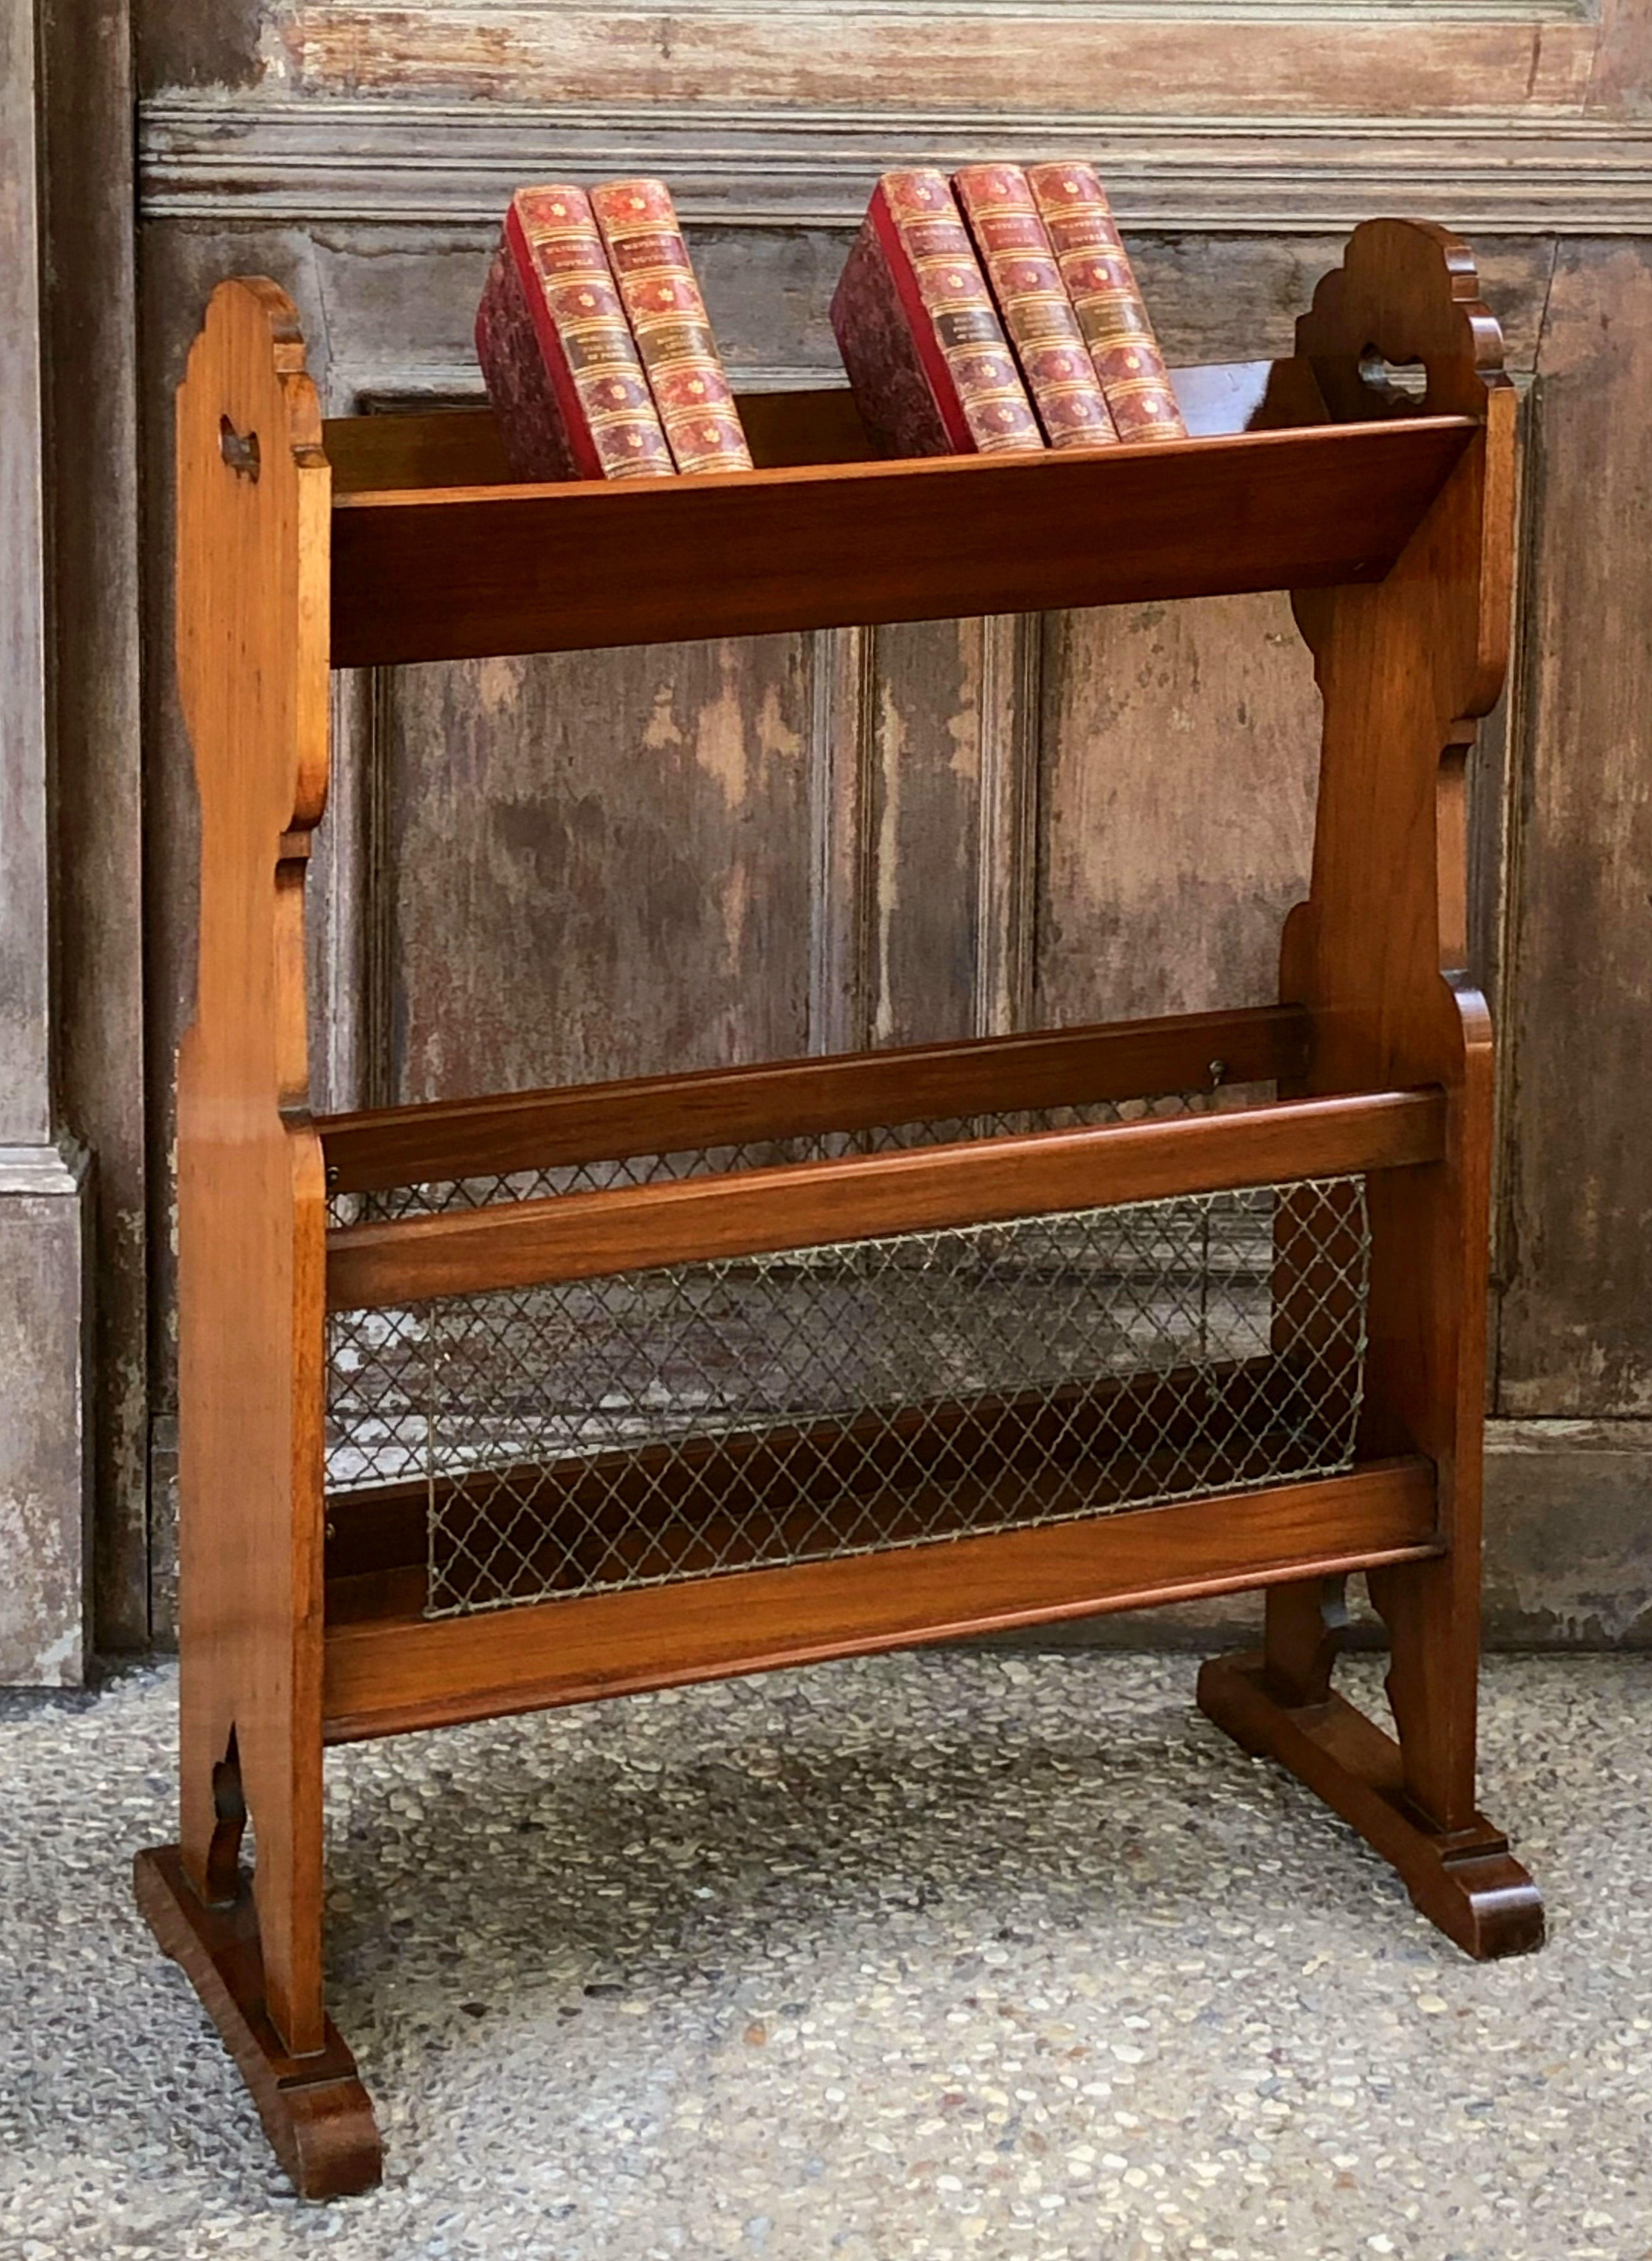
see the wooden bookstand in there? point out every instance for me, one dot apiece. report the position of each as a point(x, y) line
point(476, 1578)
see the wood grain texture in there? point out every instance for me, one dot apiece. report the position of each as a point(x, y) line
point(591, 868)
point(452, 574)
point(539, 1129)
point(1404, 672)
point(1463, 1879)
point(315, 2111)
point(580, 1235)
point(1119, 60)
point(930, 733)
point(177, 275)
point(385, 1677)
point(1576, 1334)
point(1176, 808)
point(252, 518)
point(755, 171)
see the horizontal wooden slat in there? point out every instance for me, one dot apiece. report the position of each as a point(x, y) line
point(457, 573)
point(848, 1091)
point(579, 1235)
point(382, 1679)
point(699, 1497)
point(462, 447)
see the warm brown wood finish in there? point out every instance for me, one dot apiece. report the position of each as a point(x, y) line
point(252, 514)
point(800, 1099)
point(1379, 954)
point(384, 1677)
point(1392, 529)
point(1464, 1879)
point(579, 1235)
point(461, 447)
point(315, 2111)
point(460, 573)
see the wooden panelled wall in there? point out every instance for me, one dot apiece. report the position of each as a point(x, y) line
point(603, 865)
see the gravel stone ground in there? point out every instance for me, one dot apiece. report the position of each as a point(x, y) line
point(960, 1957)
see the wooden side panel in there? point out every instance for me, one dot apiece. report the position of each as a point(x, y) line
point(593, 865)
point(1576, 1337)
point(1176, 813)
point(253, 507)
point(1379, 951)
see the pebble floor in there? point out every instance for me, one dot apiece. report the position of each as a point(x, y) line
point(946, 1955)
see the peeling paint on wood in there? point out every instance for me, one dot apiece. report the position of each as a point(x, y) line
point(1181, 750)
point(1349, 63)
point(1576, 1337)
point(598, 866)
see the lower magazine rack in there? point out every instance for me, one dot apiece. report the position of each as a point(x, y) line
point(519, 1401)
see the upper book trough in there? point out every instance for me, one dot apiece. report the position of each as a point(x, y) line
point(1298, 474)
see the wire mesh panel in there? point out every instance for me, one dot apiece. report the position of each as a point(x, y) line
point(699, 1418)
point(435, 1197)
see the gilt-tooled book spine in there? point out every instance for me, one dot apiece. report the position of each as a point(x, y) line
point(1019, 260)
point(1102, 286)
point(932, 370)
point(561, 367)
point(651, 265)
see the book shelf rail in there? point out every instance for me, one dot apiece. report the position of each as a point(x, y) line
point(472, 570)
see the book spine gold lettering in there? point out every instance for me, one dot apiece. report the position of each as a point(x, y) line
point(966, 357)
point(612, 427)
point(1020, 266)
point(1102, 286)
point(656, 282)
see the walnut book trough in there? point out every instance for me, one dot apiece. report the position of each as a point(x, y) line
point(520, 1401)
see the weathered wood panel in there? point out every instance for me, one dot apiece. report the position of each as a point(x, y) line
point(1180, 748)
point(596, 865)
point(1355, 61)
point(925, 831)
point(875, 848)
point(1577, 1325)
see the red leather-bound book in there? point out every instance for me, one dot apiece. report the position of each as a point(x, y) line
point(1102, 285)
point(656, 281)
point(999, 206)
point(561, 368)
point(932, 370)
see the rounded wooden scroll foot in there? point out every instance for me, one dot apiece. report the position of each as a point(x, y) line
point(1466, 1881)
point(318, 2115)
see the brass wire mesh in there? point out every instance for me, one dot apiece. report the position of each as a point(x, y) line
point(694, 1419)
point(439, 1196)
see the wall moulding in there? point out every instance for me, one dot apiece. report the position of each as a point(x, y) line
point(417, 162)
point(1346, 57)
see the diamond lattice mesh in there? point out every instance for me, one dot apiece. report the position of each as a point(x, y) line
point(436, 1196)
point(699, 1419)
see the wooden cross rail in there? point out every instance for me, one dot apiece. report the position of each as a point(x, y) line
point(582, 1236)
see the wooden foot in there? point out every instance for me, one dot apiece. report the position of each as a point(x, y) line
point(1464, 1880)
point(315, 2111)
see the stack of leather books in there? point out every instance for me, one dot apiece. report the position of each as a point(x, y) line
point(994, 312)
